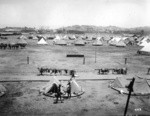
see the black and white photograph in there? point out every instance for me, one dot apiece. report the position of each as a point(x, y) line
point(74, 57)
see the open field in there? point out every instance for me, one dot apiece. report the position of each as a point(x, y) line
point(23, 97)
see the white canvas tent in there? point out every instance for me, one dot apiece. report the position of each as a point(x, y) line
point(56, 38)
point(61, 42)
point(42, 42)
point(145, 50)
point(65, 37)
point(45, 89)
point(97, 43)
point(2, 90)
point(117, 39)
point(140, 86)
point(75, 87)
point(22, 37)
point(120, 44)
point(22, 41)
point(144, 41)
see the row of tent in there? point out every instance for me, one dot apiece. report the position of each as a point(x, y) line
point(117, 41)
point(113, 41)
point(63, 42)
point(140, 87)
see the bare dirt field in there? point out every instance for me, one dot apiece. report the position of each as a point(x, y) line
point(23, 97)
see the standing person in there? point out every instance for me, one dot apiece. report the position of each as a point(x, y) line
point(58, 94)
point(69, 89)
point(72, 74)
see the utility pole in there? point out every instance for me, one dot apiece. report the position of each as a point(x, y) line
point(84, 60)
point(27, 59)
point(130, 88)
point(125, 61)
point(95, 54)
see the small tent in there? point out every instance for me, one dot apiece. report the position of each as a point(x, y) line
point(73, 37)
point(2, 90)
point(97, 43)
point(22, 37)
point(65, 37)
point(112, 43)
point(56, 38)
point(22, 42)
point(117, 39)
point(120, 44)
point(61, 42)
point(42, 41)
point(33, 37)
point(79, 42)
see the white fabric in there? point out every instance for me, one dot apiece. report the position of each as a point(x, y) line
point(42, 41)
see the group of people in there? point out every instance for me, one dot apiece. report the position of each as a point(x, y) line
point(114, 71)
point(56, 71)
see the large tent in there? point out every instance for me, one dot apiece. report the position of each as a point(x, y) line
point(42, 41)
point(145, 50)
point(2, 90)
point(140, 87)
point(144, 41)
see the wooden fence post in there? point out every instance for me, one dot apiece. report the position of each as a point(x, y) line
point(125, 61)
point(27, 59)
point(83, 60)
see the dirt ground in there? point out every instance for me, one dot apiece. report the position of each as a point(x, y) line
point(23, 98)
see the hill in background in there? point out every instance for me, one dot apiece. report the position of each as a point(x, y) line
point(80, 29)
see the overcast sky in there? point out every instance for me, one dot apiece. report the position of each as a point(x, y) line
point(58, 13)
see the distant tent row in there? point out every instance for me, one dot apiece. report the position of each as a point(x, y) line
point(21, 42)
point(140, 87)
point(117, 41)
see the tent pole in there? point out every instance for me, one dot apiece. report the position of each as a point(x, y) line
point(130, 88)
